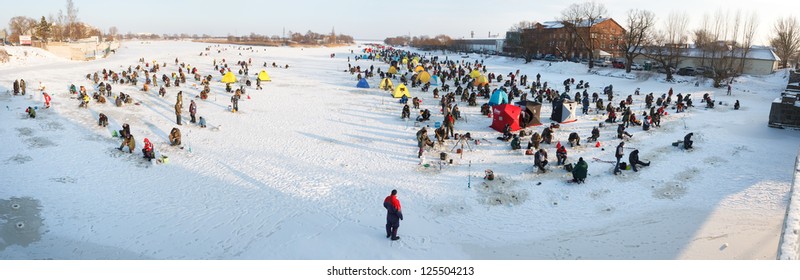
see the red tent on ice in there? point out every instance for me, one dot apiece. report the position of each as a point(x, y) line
point(505, 114)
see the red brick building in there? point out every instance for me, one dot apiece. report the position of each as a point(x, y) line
point(552, 37)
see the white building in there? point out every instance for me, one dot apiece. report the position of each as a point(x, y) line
point(483, 45)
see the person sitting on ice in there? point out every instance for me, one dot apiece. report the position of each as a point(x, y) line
point(425, 115)
point(515, 145)
point(489, 175)
point(31, 112)
point(202, 122)
point(175, 137)
point(148, 152)
point(102, 120)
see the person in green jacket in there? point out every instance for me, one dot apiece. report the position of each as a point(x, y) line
point(31, 112)
point(579, 171)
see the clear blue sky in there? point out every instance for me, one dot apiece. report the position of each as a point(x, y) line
point(361, 19)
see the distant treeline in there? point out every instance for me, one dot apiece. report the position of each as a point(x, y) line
point(439, 42)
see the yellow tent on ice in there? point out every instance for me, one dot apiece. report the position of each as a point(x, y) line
point(392, 70)
point(419, 69)
point(474, 74)
point(424, 77)
point(263, 76)
point(386, 84)
point(481, 81)
point(400, 91)
point(229, 78)
point(405, 60)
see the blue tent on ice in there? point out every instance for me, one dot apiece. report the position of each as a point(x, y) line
point(362, 83)
point(499, 96)
point(435, 81)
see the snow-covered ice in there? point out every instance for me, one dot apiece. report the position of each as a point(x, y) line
point(300, 172)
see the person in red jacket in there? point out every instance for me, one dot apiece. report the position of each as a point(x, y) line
point(393, 215)
point(46, 100)
point(148, 150)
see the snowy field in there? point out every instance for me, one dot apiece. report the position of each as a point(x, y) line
point(301, 171)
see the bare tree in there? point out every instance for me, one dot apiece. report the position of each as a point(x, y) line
point(750, 26)
point(640, 24)
point(518, 27)
point(669, 44)
point(72, 28)
point(113, 32)
point(786, 40)
point(584, 15)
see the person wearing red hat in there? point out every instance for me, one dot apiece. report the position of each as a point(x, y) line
point(148, 150)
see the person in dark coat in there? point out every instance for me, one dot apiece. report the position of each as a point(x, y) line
point(633, 160)
point(621, 132)
point(620, 152)
point(126, 130)
point(687, 141)
point(422, 140)
point(595, 134)
point(540, 160)
point(736, 105)
point(16, 87)
point(394, 215)
point(103, 120)
point(547, 135)
point(515, 145)
point(574, 139)
point(580, 171)
point(406, 112)
point(192, 111)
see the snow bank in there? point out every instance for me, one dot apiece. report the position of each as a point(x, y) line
point(26, 56)
point(790, 241)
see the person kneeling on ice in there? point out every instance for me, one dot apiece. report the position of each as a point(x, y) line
point(561, 155)
point(633, 159)
point(574, 139)
point(148, 152)
point(687, 141)
point(31, 112)
point(175, 137)
point(489, 175)
point(129, 141)
point(103, 120)
point(202, 122)
point(515, 145)
point(393, 215)
point(580, 171)
point(540, 159)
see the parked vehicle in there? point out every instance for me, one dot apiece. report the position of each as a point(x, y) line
point(602, 63)
point(637, 67)
point(687, 71)
point(618, 64)
point(704, 70)
point(551, 57)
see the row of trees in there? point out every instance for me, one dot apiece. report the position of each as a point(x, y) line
point(439, 42)
point(60, 27)
point(723, 39)
point(309, 38)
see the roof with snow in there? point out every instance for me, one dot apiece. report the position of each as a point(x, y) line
point(754, 53)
